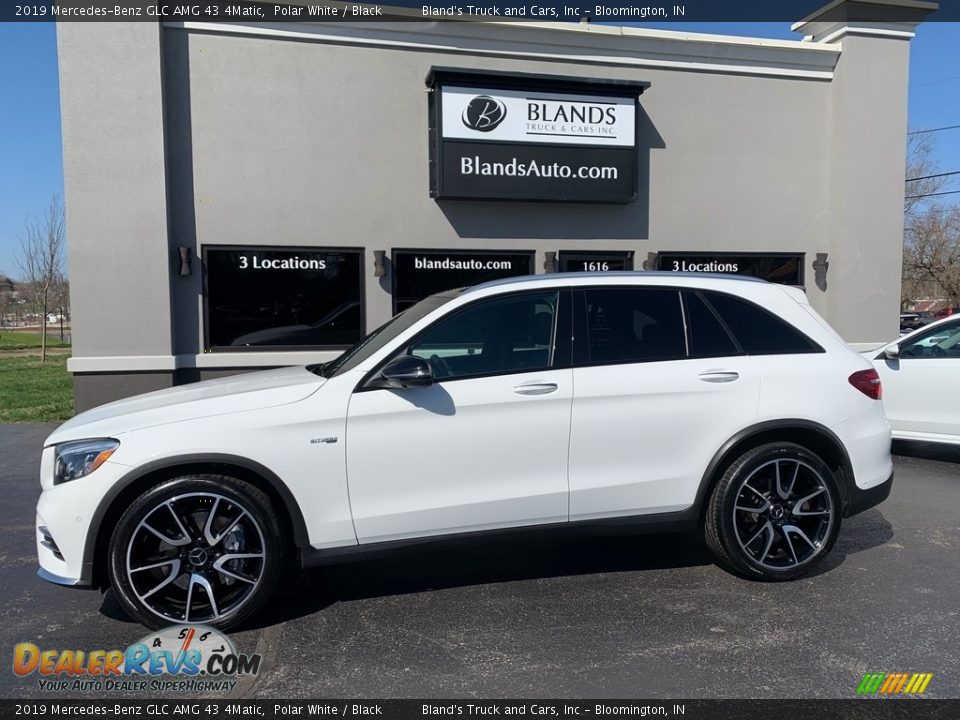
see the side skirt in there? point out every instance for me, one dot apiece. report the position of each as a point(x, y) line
point(683, 521)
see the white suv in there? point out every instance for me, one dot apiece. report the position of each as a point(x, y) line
point(663, 400)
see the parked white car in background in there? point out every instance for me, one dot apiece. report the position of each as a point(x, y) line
point(921, 382)
point(663, 400)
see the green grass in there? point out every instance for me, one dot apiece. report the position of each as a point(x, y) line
point(20, 340)
point(31, 391)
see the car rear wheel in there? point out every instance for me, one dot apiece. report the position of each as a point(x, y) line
point(196, 549)
point(774, 514)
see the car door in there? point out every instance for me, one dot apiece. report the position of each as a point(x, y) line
point(921, 388)
point(647, 414)
point(485, 446)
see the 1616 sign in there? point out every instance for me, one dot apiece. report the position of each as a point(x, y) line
point(519, 137)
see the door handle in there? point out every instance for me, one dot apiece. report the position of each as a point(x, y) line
point(719, 376)
point(536, 388)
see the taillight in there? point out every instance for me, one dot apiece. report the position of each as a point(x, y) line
point(867, 382)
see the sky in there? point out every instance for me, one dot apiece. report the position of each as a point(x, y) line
point(31, 160)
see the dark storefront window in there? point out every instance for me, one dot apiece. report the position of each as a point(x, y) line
point(594, 261)
point(258, 297)
point(418, 274)
point(783, 268)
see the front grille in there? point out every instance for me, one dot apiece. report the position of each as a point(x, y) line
point(48, 542)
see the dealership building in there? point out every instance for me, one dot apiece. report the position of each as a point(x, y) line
point(243, 196)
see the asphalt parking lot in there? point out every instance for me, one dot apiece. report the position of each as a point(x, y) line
point(644, 616)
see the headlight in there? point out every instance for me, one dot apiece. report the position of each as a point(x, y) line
point(81, 457)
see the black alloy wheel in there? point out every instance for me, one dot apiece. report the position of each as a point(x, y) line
point(196, 549)
point(775, 513)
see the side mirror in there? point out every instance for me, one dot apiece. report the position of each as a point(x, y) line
point(892, 352)
point(404, 372)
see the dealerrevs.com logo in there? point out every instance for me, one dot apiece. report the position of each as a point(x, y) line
point(484, 113)
point(191, 658)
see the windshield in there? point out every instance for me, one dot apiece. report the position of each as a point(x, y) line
point(383, 335)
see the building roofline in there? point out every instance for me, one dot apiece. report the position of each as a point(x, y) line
point(585, 44)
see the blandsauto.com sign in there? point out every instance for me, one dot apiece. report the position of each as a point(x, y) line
point(499, 141)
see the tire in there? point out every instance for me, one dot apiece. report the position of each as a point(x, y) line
point(166, 554)
point(763, 530)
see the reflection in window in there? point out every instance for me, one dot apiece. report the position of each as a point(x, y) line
point(634, 325)
point(758, 331)
point(506, 335)
point(418, 273)
point(708, 336)
point(940, 342)
point(261, 297)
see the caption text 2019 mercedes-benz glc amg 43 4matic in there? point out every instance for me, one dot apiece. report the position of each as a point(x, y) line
point(659, 400)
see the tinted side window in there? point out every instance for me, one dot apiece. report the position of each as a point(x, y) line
point(510, 334)
point(758, 331)
point(634, 325)
point(705, 331)
point(941, 342)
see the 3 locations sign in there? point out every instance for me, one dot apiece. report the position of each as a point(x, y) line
point(420, 273)
point(783, 268)
point(519, 137)
point(263, 297)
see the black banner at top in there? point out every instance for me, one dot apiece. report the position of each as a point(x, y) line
point(645, 12)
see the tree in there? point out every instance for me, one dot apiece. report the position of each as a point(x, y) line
point(921, 169)
point(931, 243)
point(932, 252)
point(61, 300)
point(6, 297)
point(40, 262)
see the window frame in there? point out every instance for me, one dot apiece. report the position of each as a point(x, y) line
point(581, 349)
point(209, 349)
point(561, 350)
point(816, 349)
point(740, 352)
point(572, 256)
point(581, 354)
point(529, 255)
point(923, 335)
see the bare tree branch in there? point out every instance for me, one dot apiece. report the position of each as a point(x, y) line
point(931, 230)
point(921, 163)
point(40, 261)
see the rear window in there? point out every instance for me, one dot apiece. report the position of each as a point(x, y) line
point(757, 331)
point(707, 334)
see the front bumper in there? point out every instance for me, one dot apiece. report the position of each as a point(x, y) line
point(57, 579)
point(861, 500)
point(64, 517)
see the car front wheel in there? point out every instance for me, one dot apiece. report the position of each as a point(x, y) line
point(196, 549)
point(774, 514)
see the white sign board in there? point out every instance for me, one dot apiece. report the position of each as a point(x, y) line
point(533, 117)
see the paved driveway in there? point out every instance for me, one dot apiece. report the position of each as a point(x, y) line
point(646, 616)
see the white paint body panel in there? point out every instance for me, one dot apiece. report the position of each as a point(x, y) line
point(642, 434)
point(222, 396)
point(459, 455)
point(921, 396)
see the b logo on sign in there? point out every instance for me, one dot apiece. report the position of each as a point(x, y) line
point(484, 113)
